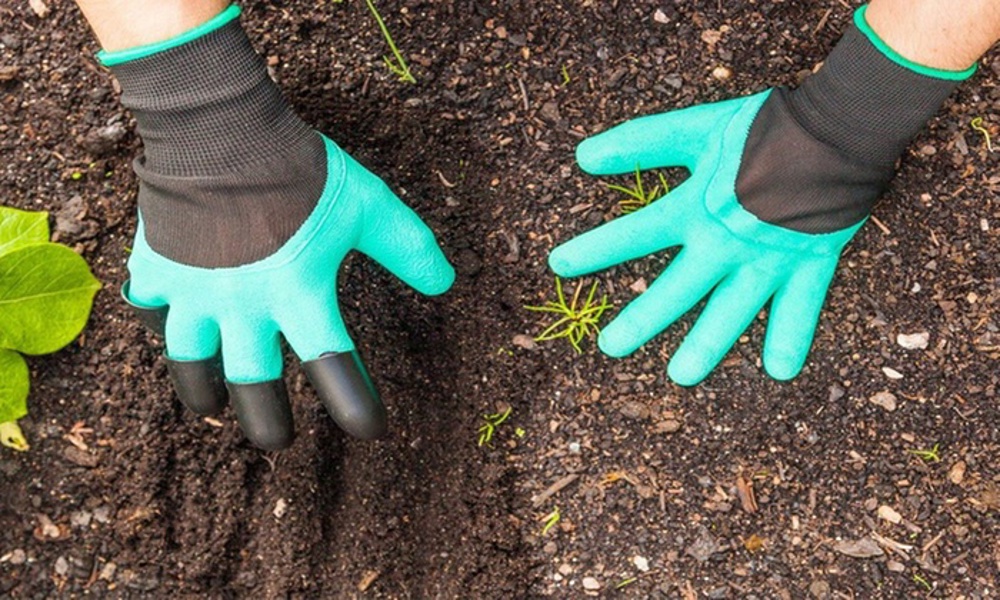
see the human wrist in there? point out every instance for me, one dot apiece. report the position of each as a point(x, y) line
point(207, 105)
point(127, 24)
point(868, 101)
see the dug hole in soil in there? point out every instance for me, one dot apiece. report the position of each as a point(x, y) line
point(741, 487)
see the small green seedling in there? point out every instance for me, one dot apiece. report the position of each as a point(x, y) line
point(918, 579)
point(626, 582)
point(636, 197)
point(928, 455)
point(550, 520)
point(397, 65)
point(575, 323)
point(490, 425)
point(565, 75)
point(46, 291)
point(520, 432)
point(977, 124)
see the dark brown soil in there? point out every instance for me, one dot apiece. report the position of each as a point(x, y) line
point(163, 503)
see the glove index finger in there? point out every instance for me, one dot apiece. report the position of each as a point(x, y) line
point(395, 237)
point(672, 139)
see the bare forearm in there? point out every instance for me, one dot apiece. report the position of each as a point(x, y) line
point(121, 24)
point(937, 33)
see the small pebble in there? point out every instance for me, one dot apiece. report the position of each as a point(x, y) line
point(913, 341)
point(895, 566)
point(721, 73)
point(641, 563)
point(62, 566)
point(18, 557)
point(550, 548)
point(890, 514)
point(524, 341)
point(892, 373)
point(280, 508)
point(886, 400)
point(574, 447)
point(80, 518)
point(566, 569)
point(589, 583)
point(108, 572)
point(957, 472)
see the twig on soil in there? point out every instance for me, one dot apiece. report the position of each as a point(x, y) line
point(524, 94)
point(881, 225)
point(822, 21)
point(898, 548)
point(554, 489)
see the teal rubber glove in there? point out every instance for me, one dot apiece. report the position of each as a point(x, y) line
point(245, 214)
point(243, 312)
point(780, 182)
point(723, 247)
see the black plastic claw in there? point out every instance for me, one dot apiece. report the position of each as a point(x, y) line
point(264, 413)
point(153, 318)
point(347, 392)
point(199, 384)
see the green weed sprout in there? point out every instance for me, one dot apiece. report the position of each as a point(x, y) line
point(550, 520)
point(565, 75)
point(928, 455)
point(575, 323)
point(918, 579)
point(637, 197)
point(490, 425)
point(396, 65)
point(977, 124)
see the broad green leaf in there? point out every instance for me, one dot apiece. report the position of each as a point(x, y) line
point(13, 386)
point(11, 436)
point(20, 228)
point(46, 291)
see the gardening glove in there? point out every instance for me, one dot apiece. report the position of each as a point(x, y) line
point(245, 217)
point(780, 181)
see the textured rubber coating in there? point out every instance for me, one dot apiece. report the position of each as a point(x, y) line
point(818, 157)
point(199, 384)
point(155, 319)
point(228, 173)
point(727, 255)
point(264, 413)
point(347, 392)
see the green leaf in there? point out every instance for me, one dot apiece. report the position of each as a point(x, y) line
point(11, 436)
point(19, 228)
point(46, 291)
point(13, 386)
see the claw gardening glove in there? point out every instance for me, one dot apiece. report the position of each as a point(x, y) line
point(245, 217)
point(780, 182)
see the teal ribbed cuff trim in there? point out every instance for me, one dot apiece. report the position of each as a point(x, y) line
point(862, 23)
point(110, 59)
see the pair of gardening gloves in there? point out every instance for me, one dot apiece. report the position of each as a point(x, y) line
point(246, 214)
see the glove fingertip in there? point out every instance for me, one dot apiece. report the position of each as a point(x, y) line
point(593, 154)
point(683, 372)
point(560, 263)
point(782, 366)
point(440, 281)
point(614, 345)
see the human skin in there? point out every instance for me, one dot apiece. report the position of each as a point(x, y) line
point(123, 24)
point(937, 33)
